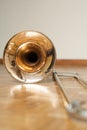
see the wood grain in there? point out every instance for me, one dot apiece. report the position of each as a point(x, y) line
point(71, 62)
point(1, 61)
point(39, 106)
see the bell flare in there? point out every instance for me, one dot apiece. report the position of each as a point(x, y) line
point(29, 56)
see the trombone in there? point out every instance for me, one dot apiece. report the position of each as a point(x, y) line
point(29, 57)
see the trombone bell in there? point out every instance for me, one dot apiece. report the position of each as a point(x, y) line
point(29, 56)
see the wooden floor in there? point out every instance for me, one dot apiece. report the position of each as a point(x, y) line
point(40, 106)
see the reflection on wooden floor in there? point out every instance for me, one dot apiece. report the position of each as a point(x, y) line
point(39, 106)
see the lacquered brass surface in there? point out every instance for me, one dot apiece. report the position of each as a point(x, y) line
point(29, 56)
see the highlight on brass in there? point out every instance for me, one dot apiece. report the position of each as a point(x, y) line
point(29, 56)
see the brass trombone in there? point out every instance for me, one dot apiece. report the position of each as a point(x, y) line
point(29, 57)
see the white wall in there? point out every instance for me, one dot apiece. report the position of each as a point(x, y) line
point(63, 21)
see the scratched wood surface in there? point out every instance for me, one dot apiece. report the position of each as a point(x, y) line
point(39, 106)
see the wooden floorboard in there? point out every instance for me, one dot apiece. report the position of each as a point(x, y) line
point(40, 106)
point(1, 61)
point(71, 62)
